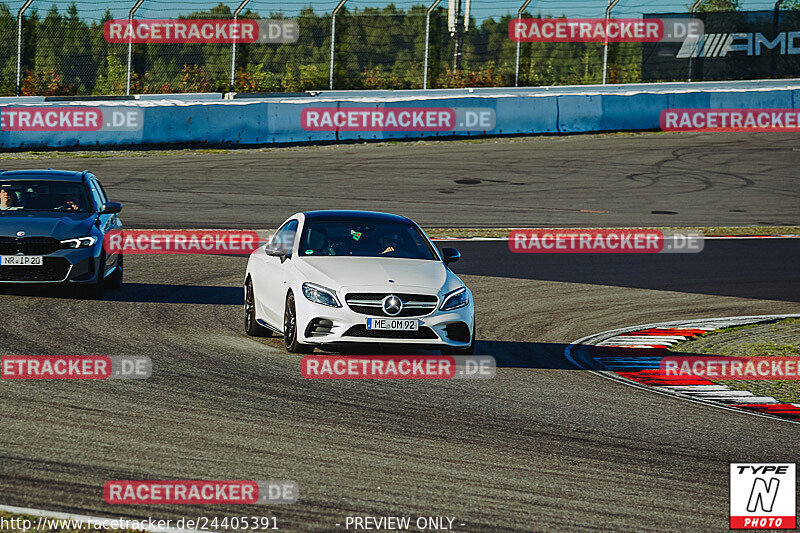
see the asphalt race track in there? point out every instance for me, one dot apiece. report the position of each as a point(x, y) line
point(663, 179)
point(542, 447)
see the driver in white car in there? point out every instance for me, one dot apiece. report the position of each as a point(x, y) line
point(389, 243)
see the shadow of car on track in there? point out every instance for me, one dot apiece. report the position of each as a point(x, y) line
point(51, 291)
point(743, 268)
point(138, 292)
point(177, 294)
point(541, 355)
point(507, 354)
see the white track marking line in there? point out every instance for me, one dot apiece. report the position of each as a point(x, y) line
point(763, 400)
point(725, 394)
point(651, 338)
point(635, 346)
point(619, 341)
point(694, 389)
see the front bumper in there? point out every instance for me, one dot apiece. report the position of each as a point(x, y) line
point(318, 324)
point(74, 266)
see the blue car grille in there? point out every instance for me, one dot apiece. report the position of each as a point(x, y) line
point(52, 269)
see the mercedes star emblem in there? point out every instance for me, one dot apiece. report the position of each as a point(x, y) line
point(392, 305)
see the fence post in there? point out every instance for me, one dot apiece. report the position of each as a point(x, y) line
point(775, 22)
point(130, 45)
point(333, 39)
point(459, 38)
point(427, 38)
point(692, 52)
point(516, 64)
point(235, 35)
point(609, 6)
point(19, 42)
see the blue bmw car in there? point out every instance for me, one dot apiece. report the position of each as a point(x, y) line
point(52, 224)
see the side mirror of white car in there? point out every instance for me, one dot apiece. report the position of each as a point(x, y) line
point(275, 252)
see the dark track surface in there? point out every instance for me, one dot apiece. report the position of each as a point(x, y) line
point(704, 179)
point(541, 447)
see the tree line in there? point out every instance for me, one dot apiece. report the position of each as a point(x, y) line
point(376, 48)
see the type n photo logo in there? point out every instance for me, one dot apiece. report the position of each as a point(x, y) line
point(763, 496)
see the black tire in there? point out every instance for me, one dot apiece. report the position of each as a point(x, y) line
point(290, 329)
point(251, 327)
point(114, 281)
point(96, 289)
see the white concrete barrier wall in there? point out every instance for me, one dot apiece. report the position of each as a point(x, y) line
point(33, 122)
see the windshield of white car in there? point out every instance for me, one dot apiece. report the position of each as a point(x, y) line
point(50, 196)
point(360, 238)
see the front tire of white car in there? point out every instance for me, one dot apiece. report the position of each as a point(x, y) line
point(290, 329)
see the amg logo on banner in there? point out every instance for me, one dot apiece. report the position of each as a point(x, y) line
point(735, 45)
point(753, 44)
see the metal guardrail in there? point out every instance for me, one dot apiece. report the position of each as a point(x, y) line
point(669, 87)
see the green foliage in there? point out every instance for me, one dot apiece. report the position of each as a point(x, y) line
point(484, 77)
point(377, 78)
point(257, 81)
point(195, 79)
point(8, 51)
point(718, 5)
point(113, 81)
point(305, 78)
point(45, 84)
point(376, 48)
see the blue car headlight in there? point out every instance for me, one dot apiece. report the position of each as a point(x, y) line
point(79, 242)
point(320, 295)
point(455, 299)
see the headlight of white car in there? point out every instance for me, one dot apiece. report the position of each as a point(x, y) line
point(455, 299)
point(320, 295)
point(80, 242)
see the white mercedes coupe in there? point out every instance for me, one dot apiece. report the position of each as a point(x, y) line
point(330, 278)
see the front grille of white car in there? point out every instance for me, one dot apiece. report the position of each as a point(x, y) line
point(371, 303)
